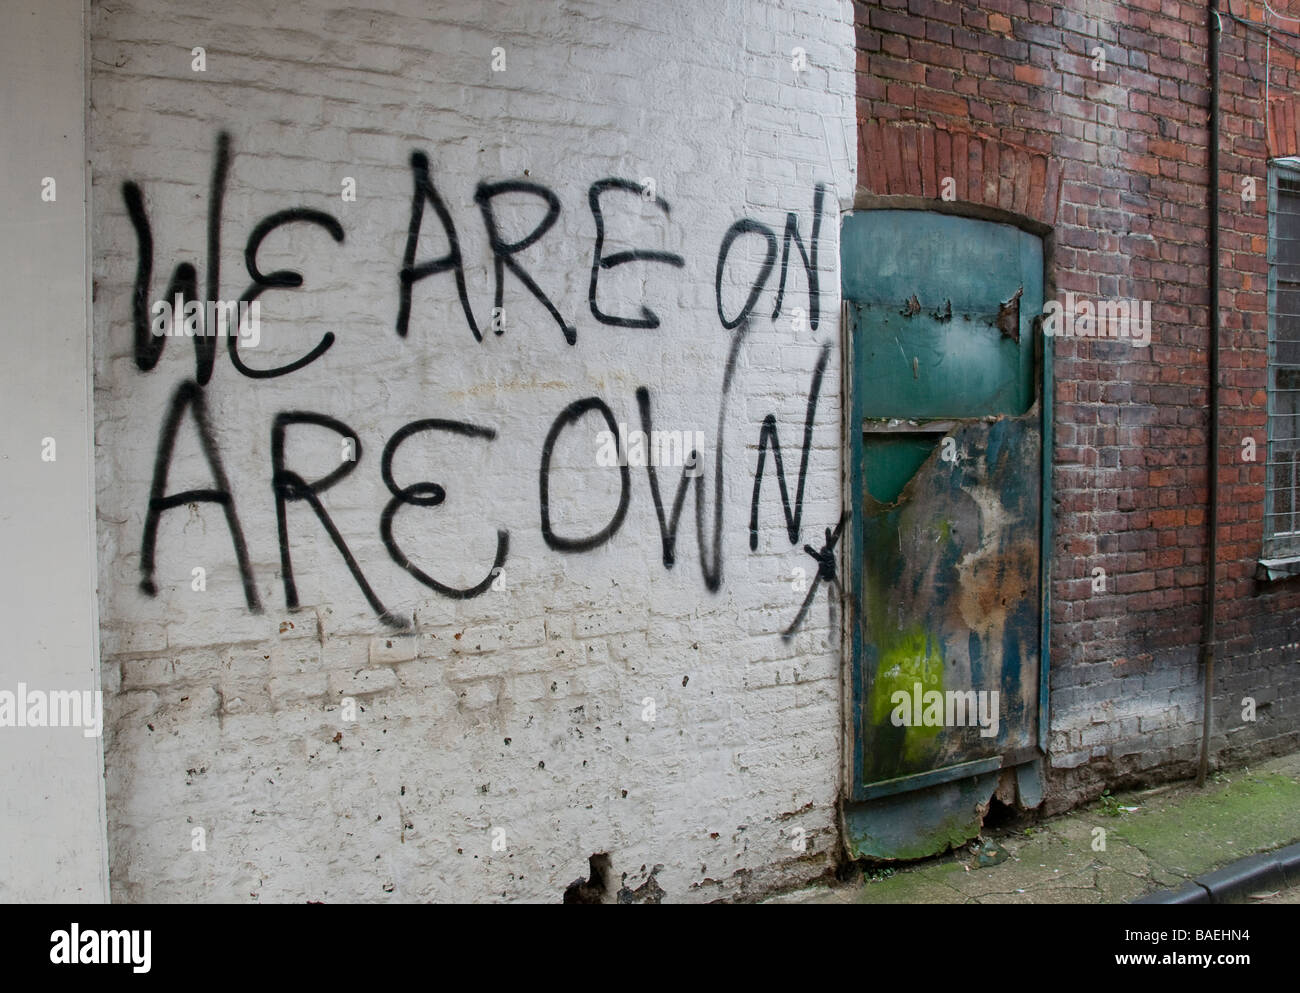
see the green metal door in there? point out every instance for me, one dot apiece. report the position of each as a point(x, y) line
point(948, 531)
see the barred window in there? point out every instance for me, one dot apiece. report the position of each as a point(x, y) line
point(1282, 503)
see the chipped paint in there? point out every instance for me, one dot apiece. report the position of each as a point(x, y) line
point(1009, 317)
point(947, 542)
point(951, 595)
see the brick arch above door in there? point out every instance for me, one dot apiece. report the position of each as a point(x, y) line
point(912, 159)
point(1283, 140)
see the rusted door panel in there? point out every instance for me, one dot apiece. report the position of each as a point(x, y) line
point(950, 598)
point(949, 476)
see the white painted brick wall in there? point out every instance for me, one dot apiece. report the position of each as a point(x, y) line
point(520, 709)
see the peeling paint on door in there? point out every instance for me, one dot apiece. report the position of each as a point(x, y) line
point(948, 477)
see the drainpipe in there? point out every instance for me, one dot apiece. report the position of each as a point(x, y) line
point(1215, 28)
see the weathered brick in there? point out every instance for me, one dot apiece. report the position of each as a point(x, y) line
point(307, 105)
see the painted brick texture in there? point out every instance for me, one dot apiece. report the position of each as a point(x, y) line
point(519, 715)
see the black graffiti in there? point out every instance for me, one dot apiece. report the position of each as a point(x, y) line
point(648, 319)
point(411, 273)
point(426, 494)
point(710, 549)
point(289, 487)
point(768, 435)
point(281, 278)
point(190, 395)
point(745, 225)
point(148, 346)
point(184, 282)
point(667, 527)
point(712, 569)
point(503, 252)
point(567, 417)
point(825, 558)
point(809, 258)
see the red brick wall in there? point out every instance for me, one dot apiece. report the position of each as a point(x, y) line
point(1130, 143)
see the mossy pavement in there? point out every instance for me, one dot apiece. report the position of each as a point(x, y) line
point(1157, 838)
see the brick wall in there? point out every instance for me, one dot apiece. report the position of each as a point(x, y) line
point(1130, 140)
point(520, 715)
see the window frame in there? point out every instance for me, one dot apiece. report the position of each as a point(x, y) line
point(1280, 551)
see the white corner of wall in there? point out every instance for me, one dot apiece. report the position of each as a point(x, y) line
point(52, 817)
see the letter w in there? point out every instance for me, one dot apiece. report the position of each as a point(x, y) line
point(769, 435)
point(184, 281)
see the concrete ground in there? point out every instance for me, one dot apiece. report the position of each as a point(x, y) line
point(1113, 851)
